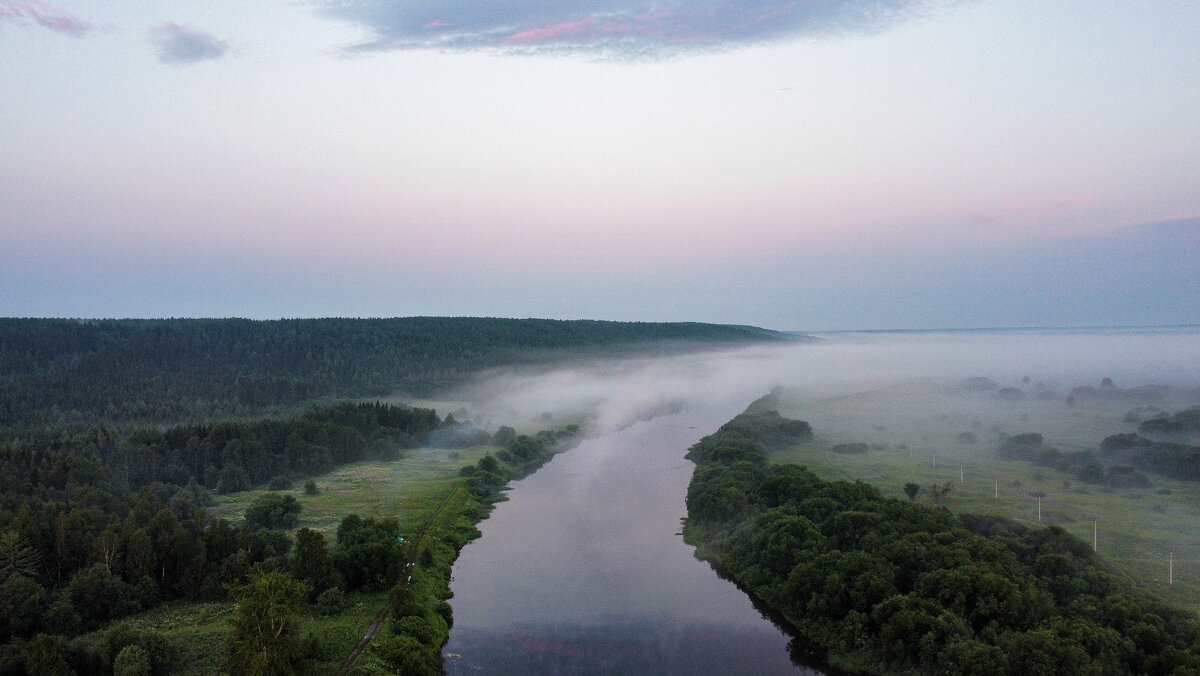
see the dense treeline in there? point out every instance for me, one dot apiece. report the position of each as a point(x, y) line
point(100, 525)
point(1160, 446)
point(1178, 461)
point(228, 456)
point(172, 370)
point(1084, 465)
point(888, 586)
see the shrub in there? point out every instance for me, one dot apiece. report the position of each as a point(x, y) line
point(330, 602)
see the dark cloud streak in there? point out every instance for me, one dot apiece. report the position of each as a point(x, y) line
point(617, 29)
point(182, 45)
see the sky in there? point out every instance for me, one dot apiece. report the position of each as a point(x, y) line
point(792, 164)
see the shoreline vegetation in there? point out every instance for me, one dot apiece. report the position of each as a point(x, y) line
point(198, 496)
point(883, 585)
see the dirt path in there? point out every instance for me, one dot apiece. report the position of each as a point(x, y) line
point(377, 624)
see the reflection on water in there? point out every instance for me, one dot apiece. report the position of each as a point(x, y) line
point(583, 570)
point(620, 648)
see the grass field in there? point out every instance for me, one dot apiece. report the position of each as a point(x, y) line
point(910, 429)
point(408, 489)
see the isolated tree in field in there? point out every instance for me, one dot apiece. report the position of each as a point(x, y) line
point(266, 634)
point(940, 492)
point(273, 511)
point(911, 490)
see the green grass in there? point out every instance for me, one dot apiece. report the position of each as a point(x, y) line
point(1137, 528)
point(409, 489)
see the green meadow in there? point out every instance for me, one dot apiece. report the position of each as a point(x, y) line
point(913, 435)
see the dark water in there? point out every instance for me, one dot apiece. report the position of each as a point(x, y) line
point(583, 571)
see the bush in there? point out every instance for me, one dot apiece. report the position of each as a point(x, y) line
point(850, 449)
point(273, 511)
point(310, 487)
point(132, 661)
point(330, 602)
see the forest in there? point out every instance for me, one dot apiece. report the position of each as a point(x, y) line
point(163, 371)
point(117, 435)
point(882, 585)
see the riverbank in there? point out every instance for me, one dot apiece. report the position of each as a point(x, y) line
point(425, 491)
point(882, 585)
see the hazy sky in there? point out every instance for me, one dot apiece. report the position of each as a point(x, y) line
point(795, 164)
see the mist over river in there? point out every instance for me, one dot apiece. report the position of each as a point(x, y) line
point(583, 570)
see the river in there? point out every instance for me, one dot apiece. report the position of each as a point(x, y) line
point(584, 571)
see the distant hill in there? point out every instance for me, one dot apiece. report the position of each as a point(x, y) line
point(170, 370)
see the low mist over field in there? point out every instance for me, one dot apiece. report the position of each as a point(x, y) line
point(1054, 362)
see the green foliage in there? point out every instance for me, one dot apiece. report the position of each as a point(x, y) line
point(912, 490)
point(16, 556)
point(368, 554)
point(504, 436)
point(407, 655)
point(330, 602)
point(311, 563)
point(121, 637)
point(47, 656)
point(310, 488)
point(273, 511)
point(266, 633)
point(22, 603)
point(132, 661)
point(176, 369)
point(98, 596)
point(891, 586)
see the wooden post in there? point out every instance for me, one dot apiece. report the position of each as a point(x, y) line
point(997, 488)
point(1094, 547)
point(1171, 568)
point(960, 474)
point(1039, 509)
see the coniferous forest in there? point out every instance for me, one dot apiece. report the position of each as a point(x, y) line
point(62, 371)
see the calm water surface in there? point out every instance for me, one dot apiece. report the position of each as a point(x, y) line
point(583, 571)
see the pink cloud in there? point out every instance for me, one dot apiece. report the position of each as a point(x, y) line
point(555, 32)
point(47, 16)
point(437, 24)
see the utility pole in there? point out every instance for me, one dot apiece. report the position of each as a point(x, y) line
point(1171, 568)
point(1094, 547)
point(997, 488)
point(1039, 509)
point(960, 474)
